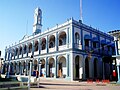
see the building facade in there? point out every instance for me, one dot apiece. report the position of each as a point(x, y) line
point(116, 34)
point(71, 50)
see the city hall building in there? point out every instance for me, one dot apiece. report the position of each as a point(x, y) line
point(72, 50)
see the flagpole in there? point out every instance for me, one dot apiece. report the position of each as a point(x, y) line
point(81, 18)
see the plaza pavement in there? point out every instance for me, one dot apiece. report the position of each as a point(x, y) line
point(60, 84)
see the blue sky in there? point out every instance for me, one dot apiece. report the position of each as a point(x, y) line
point(16, 16)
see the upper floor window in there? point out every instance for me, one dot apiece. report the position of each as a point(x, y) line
point(20, 50)
point(36, 46)
point(25, 49)
point(87, 42)
point(43, 44)
point(16, 51)
point(52, 41)
point(77, 38)
point(30, 47)
point(62, 38)
point(94, 44)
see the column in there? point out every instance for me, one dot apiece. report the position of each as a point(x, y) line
point(33, 47)
point(81, 37)
point(72, 37)
point(55, 67)
point(103, 71)
point(118, 71)
point(90, 45)
point(20, 68)
point(27, 68)
point(56, 41)
point(27, 48)
point(67, 39)
point(17, 68)
point(67, 64)
point(39, 46)
point(47, 46)
point(47, 67)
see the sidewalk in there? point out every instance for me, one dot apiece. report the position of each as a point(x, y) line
point(60, 84)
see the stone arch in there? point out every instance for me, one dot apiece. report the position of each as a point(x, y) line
point(36, 46)
point(30, 47)
point(43, 68)
point(95, 67)
point(35, 64)
point(43, 43)
point(77, 38)
point(62, 69)
point(25, 48)
point(20, 50)
point(62, 38)
point(52, 41)
point(16, 51)
point(77, 67)
point(87, 67)
point(51, 69)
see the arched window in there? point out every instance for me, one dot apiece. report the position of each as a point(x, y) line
point(36, 46)
point(62, 38)
point(52, 41)
point(16, 51)
point(43, 44)
point(20, 50)
point(30, 47)
point(25, 49)
point(77, 38)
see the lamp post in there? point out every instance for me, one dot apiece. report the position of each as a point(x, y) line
point(40, 62)
point(29, 79)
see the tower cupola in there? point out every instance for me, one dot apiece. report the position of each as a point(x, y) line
point(37, 26)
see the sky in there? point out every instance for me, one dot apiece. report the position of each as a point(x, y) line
point(16, 16)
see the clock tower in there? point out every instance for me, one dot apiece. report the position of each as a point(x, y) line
point(37, 26)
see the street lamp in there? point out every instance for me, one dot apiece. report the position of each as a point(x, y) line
point(40, 62)
point(29, 79)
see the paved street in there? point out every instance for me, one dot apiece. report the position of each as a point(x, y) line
point(66, 85)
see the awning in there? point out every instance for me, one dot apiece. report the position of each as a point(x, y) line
point(103, 42)
point(87, 37)
point(95, 39)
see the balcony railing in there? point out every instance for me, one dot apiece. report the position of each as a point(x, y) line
point(36, 52)
point(29, 54)
point(20, 56)
point(87, 49)
point(95, 50)
point(78, 46)
point(63, 47)
point(43, 51)
point(52, 49)
point(24, 55)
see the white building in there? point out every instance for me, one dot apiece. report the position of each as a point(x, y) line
point(116, 34)
point(71, 50)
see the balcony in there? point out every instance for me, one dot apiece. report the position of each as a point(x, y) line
point(25, 55)
point(43, 51)
point(16, 56)
point(63, 47)
point(20, 56)
point(110, 53)
point(104, 52)
point(29, 54)
point(96, 50)
point(36, 52)
point(78, 46)
point(52, 49)
point(87, 49)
